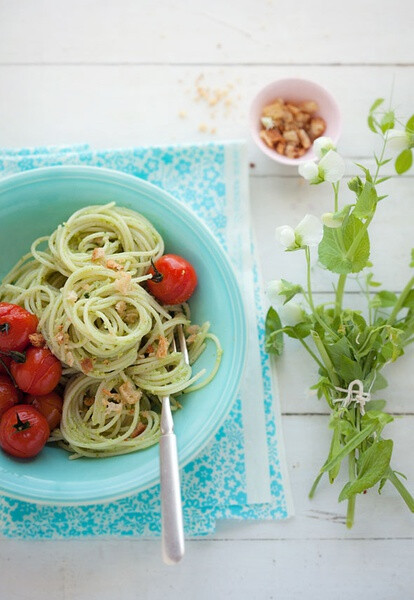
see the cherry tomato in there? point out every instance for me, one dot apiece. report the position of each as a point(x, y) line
point(16, 324)
point(39, 374)
point(50, 405)
point(23, 431)
point(174, 279)
point(8, 394)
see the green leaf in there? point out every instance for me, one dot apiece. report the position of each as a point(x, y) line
point(367, 172)
point(371, 123)
point(372, 466)
point(353, 443)
point(379, 383)
point(366, 202)
point(404, 161)
point(355, 185)
point(382, 180)
point(274, 337)
point(379, 417)
point(410, 125)
point(375, 405)
point(289, 290)
point(387, 121)
point(412, 258)
point(332, 254)
point(299, 331)
point(385, 299)
point(376, 104)
point(372, 283)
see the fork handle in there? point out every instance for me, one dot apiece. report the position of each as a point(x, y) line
point(171, 508)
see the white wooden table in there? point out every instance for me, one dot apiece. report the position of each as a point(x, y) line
point(119, 73)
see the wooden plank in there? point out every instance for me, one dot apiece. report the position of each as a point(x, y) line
point(260, 31)
point(307, 442)
point(263, 570)
point(125, 106)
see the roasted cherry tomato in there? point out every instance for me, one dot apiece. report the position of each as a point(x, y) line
point(8, 394)
point(39, 374)
point(50, 405)
point(173, 279)
point(23, 431)
point(16, 324)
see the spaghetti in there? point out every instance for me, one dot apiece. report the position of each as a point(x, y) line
point(86, 284)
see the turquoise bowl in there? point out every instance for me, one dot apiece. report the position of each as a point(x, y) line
point(32, 204)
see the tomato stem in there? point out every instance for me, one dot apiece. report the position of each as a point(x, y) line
point(4, 328)
point(6, 368)
point(157, 277)
point(21, 425)
point(19, 357)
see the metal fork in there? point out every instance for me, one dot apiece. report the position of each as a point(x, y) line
point(171, 507)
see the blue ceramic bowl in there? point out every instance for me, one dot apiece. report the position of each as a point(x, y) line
point(32, 204)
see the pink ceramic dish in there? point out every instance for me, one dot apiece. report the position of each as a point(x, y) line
point(295, 90)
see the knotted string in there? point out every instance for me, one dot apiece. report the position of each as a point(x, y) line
point(352, 395)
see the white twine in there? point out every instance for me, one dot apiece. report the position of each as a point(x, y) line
point(358, 395)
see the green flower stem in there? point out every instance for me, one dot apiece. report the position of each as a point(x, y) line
point(336, 194)
point(325, 358)
point(340, 294)
point(351, 502)
point(313, 355)
point(384, 145)
point(310, 297)
point(400, 301)
point(405, 494)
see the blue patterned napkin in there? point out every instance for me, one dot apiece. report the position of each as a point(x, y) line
point(241, 474)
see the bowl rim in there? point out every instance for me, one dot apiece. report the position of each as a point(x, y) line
point(253, 114)
point(221, 410)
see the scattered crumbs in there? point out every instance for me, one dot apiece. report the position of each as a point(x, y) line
point(252, 165)
point(182, 114)
point(203, 128)
point(218, 46)
point(213, 130)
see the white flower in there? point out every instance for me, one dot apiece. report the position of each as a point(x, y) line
point(399, 140)
point(273, 289)
point(291, 314)
point(329, 220)
point(322, 145)
point(267, 122)
point(331, 167)
point(286, 236)
point(309, 232)
point(309, 170)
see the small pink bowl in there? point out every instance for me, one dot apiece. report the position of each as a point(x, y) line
point(295, 90)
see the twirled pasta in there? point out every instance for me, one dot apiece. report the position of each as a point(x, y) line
point(86, 284)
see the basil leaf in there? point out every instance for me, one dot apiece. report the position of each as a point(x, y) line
point(372, 466)
point(274, 337)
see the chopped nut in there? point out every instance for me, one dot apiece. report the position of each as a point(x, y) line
point(304, 139)
point(86, 365)
point(140, 428)
point(309, 106)
point(163, 344)
point(317, 127)
point(37, 340)
point(131, 317)
point(112, 264)
point(120, 308)
point(123, 282)
point(291, 136)
point(69, 359)
point(270, 137)
point(98, 254)
point(289, 128)
point(128, 394)
point(88, 401)
point(72, 297)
